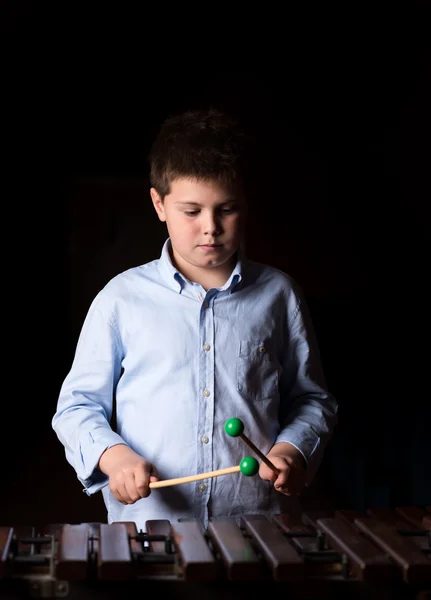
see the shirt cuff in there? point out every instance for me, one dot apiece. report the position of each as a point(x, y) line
point(91, 449)
point(307, 442)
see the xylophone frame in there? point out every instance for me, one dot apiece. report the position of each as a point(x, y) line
point(382, 554)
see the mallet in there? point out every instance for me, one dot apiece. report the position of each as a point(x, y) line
point(235, 428)
point(248, 467)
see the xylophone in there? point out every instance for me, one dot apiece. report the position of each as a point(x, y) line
point(382, 553)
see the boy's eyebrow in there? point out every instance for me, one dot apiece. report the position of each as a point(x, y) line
point(192, 203)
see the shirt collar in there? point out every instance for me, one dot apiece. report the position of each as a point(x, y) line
point(169, 273)
point(177, 281)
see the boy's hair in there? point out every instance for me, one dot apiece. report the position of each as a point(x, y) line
point(203, 145)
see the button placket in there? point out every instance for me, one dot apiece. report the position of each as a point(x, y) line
point(206, 378)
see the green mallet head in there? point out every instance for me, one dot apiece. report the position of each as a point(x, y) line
point(249, 466)
point(234, 427)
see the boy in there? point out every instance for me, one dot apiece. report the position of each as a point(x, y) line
point(188, 341)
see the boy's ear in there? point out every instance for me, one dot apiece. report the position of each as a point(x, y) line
point(158, 204)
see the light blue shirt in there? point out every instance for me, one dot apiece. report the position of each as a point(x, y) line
point(180, 361)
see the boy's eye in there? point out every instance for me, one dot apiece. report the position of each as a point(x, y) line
point(224, 211)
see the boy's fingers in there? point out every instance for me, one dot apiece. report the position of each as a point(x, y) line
point(120, 493)
point(266, 473)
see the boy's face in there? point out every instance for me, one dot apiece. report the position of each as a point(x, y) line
point(205, 224)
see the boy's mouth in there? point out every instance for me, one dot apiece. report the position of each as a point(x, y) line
point(210, 246)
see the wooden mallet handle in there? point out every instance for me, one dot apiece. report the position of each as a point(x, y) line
point(189, 478)
point(259, 453)
point(248, 467)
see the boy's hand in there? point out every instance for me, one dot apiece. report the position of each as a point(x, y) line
point(291, 465)
point(129, 474)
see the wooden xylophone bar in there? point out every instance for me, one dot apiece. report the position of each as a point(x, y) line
point(323, 552)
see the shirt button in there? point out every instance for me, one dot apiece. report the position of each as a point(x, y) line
point(206, 393)
point(202, 487)
point(206, 347)
point(262, 349)
point(204, 439)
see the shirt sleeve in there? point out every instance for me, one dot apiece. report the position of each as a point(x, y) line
point(308, 411)
point(85, 403)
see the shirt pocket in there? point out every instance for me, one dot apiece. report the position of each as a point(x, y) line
point(258, 370)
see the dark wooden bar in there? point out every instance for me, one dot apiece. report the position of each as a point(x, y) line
point(347, 515)
point(196, 560)
point(415, 566)
point(311, 517)
point(239, 558)
point(6, 534)
point(412, 514)
point(367, 562)
point(161, 553)
point(398, 523)
point(114, 555)
point(132, 532)
point(158, 527)
point(71, 562)
point(282, 558)
point(319, 558)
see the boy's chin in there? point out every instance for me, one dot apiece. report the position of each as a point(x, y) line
point(212, 264)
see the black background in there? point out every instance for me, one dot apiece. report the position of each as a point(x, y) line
point(340, 102)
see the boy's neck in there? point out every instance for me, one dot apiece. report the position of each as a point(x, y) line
point(215, 278)
point(207, 278)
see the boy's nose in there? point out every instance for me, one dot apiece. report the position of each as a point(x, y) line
point(212, 227)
